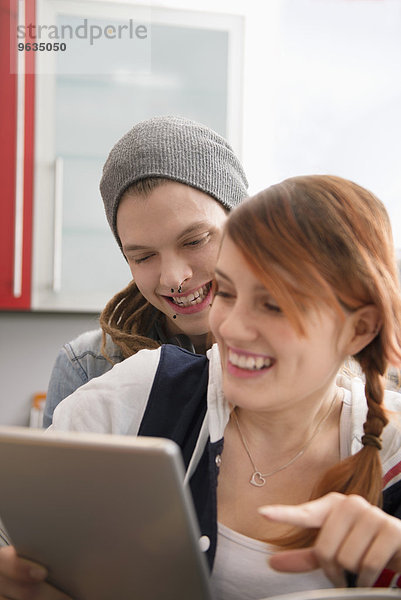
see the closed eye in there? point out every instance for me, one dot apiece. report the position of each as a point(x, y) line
point(272, 307)
point(199, 241)
point(223, 294)
point(138, 261)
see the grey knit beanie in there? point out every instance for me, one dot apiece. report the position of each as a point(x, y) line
point(174, 148)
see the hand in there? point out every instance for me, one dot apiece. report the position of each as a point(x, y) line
point(354, 536)
point(22, 579)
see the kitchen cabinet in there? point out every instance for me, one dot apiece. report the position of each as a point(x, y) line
point(86, 97)
point(66, 108)
point(16, 158)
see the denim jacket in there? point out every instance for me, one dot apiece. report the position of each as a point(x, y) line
point(81, 360)
point(77, 362)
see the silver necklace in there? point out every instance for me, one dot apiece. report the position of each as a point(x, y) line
point(258, 479)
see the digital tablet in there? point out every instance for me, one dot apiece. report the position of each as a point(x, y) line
point(107, 515)
point(341, 594)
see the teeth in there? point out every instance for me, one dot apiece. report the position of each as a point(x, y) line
point(241, 362)
point(250, 363)
point(195, 297)
point(260, 363)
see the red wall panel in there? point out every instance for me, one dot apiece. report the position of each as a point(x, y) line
point(8, 123)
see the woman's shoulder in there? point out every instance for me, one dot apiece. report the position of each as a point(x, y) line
point(108, 402)
point(111, 402)
point(180, 370)
point(392, 379)
point(181, 357)
point(355, 403)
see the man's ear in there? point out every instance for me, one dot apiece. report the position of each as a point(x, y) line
point(364, 325)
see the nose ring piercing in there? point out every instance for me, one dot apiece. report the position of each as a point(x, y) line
point(179, 289)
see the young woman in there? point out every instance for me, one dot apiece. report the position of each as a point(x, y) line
point(306, 277)
point(167, 187)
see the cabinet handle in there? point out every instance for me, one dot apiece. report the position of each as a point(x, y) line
point(19, 165)
point(58, 222)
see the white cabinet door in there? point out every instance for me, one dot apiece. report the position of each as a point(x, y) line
point(88, 96)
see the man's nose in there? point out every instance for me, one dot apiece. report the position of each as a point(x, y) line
point(174, 271)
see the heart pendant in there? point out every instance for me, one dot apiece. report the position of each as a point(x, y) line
point(257, 479)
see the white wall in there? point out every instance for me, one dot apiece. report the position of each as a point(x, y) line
point(322, 91)
point(322, 94)
point(29, 344)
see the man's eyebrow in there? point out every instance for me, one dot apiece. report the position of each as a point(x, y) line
point(195, 227)
point(135, 247)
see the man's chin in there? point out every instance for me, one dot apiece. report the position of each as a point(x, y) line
point(187, 325)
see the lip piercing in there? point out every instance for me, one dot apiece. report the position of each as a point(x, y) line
point(174, 316)
point(172, 290)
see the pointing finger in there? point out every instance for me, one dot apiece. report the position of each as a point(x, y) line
point(309, 514)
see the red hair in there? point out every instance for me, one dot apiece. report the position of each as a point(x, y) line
point(317, 239)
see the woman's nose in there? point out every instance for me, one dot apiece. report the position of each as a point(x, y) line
point(239, 323)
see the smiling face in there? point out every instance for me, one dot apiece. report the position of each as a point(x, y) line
point(266, 364)
point(171, 237)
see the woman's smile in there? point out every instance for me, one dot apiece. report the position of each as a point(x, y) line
point(241, 363)
point(264, 358)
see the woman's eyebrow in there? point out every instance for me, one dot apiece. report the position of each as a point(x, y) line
point(220, 273)
point(258, 287)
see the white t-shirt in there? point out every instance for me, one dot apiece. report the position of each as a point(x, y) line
point(241, 570)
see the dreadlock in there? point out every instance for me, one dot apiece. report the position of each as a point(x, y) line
point(125, 317)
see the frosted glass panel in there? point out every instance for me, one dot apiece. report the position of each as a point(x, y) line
point(90, 49)
point(90, 257)
point(188, 76)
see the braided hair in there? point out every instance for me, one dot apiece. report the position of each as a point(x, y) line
point(333, 239)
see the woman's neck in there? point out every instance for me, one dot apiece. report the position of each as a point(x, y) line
point(289, 430)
